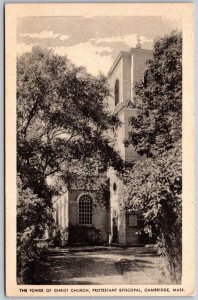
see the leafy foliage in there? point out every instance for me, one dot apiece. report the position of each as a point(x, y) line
point(62, 120)
point(157, 126)
point(33, 216)
point(154, 185)
point(61, 116)
point(59, 236)
point(84, 235)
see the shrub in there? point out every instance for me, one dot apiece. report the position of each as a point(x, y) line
point(59, 236)
point(32, 218)
point(84, 235)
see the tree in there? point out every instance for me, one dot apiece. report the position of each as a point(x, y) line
point(61, 116)
point(154, 186)
point(157, 126)
point(62, 120)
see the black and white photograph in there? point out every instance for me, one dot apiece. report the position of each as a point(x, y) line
point(97, 141)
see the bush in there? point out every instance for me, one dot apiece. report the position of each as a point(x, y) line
point(32, 218)
point(59, 236)
point(29, 255)
point(154, 187)
point(84, 235)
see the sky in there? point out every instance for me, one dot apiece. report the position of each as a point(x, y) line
point(92, 42)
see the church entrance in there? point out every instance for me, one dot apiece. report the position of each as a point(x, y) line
point(115, 230)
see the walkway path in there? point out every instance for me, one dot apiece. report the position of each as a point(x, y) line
point(90, 265)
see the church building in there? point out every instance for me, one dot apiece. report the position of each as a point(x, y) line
point(78, 206)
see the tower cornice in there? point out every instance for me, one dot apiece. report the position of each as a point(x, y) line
point(126, 54)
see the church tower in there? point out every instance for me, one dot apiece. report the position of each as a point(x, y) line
point(127, 70)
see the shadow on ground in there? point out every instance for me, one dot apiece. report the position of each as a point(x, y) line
point(100, 267)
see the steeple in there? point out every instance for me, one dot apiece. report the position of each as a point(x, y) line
point(138, 45)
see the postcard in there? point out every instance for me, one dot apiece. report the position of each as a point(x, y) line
point(99, 149)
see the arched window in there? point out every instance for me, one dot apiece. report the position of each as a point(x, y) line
point(85, 210)
point(114, 187)
point(117, 92)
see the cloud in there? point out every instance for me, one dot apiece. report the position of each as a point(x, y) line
point(95, 58)
point(64, 37)
point(88, 55)
point(95, 54)
point(129, 39)
point(22, 48)
point(45, 35)
point(41, 35)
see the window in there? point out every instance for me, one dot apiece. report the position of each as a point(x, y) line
point(114, 187)
point(117, 92)
point(85, 210)
point(133, 220)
